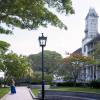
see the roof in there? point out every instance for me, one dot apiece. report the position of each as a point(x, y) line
point(79, 51)
point(92, 13)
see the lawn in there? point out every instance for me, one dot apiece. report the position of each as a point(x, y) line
point(72, 89)
point(35, 91)
point(3, 91)
point(77, 89)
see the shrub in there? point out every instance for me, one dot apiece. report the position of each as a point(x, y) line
point(70, 84)
point(95, 84)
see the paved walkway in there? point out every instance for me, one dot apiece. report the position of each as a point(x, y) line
point(22, 93)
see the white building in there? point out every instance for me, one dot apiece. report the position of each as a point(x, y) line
point(91, 38)
point(1, 74)
point(91, 31)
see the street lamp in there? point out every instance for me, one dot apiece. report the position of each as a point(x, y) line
point(42, 42)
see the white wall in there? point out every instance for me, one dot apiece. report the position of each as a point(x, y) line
point(2, 74)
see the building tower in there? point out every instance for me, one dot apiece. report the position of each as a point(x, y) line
point(91, 30)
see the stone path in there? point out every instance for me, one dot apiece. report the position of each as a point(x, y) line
point(22, 93)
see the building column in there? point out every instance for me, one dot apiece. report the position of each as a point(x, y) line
point(94, 72)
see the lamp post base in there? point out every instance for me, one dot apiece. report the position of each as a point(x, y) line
point(43, 90)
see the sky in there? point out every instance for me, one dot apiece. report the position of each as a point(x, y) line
point(26, 42)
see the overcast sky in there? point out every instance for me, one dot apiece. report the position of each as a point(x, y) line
point(26, 42)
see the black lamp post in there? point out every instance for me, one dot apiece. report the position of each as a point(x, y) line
point(42, 42)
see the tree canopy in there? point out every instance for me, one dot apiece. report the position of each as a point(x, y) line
point(73, 65)
point(52, 60)
point(30, 14)
point(16, 66)
point(4, 46)
point(3, 49)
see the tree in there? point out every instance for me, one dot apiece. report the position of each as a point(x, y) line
point(52, 60)
point(16, 66)
point(30, 14)
point(4, 46)
point(3, 49)
point(73, 65)
point(37, 78)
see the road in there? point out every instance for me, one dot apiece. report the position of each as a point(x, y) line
point(58, 95)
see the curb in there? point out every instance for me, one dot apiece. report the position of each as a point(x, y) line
point(33, 96)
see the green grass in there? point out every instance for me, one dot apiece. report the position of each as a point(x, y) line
point(3, 91)
point(35, 92)
point(72, 89)
point(77, 89)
